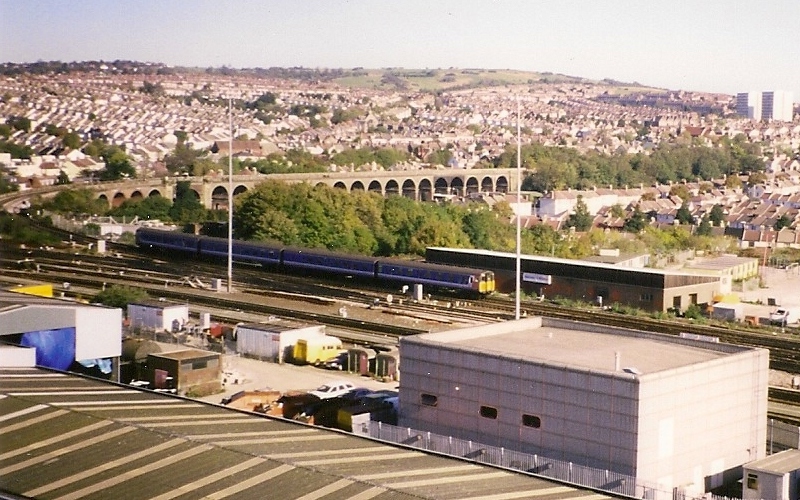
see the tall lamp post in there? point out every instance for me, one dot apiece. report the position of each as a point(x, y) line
point(519, 223)
point(230, 196)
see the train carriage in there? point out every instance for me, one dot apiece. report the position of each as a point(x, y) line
point(297, 260)
point(329, 262)
point(160, 239)
point(266, 254)
point(458, 278)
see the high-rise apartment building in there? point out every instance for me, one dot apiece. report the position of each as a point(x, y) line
point(749, 104)
point(769, 105)
point(777, 105)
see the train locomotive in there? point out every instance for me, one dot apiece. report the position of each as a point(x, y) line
point(296, 260)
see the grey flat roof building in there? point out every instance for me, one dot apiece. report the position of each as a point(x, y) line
point(668, 411)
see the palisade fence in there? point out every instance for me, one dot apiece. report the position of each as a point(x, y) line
point(781, 436)
point(605, 480)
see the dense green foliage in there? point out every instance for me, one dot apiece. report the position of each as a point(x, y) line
point(19, 229)
point(555, 168)
point(359, 222)
point(385, 157)
point(15, 150)
point(75, 202)
point(119, 296)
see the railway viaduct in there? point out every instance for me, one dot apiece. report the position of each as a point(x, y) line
point(420, 185)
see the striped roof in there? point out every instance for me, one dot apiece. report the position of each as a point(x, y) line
point(66, 436)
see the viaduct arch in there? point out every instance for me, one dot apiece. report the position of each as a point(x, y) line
point(420, 185)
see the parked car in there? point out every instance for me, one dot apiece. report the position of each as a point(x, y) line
point(332, 389)
point(779, 317)
point(335, 363)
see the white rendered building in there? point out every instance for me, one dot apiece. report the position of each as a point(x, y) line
point(666, 410)
point(749, 104)
point(777, 105)
point(158, 315)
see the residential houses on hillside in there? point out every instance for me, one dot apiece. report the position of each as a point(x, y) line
point(475, 125)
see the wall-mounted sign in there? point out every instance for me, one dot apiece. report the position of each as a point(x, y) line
point(545, 279)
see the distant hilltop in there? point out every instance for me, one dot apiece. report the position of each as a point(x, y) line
point(393, 78)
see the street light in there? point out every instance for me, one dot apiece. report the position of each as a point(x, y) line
point(230, 196)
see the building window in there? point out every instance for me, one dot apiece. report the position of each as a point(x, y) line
point(199, 364)
point(428, 399)
point(752, 481)
point(646, 297)
point(531, 421)
point(488, 412)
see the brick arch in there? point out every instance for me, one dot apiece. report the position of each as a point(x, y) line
point(357, 186)
point(410, 189)
point(487, 185)
point(392, 188)
point(104, 199)
point(153, 193)
point(118, 200)
point(441, 186)
point(339, 185)
point(457, 187)
point(239, 190)
point(425, 190)
point(137, 195)
point(219, 198)
point(501, 184)
point(375, 187)
point(472, 186)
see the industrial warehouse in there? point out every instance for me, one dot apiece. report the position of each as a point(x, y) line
point(670, 412)
point(644, 288)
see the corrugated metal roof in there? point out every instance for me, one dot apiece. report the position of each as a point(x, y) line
point(65, 436)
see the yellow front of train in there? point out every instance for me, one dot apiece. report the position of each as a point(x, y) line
point(486, 284)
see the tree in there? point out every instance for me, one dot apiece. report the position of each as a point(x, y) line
point(782, 222)
point(581, 219)
point(119, 296)
point(757, 178)
point(76, 201)
point(704, 228)
point(187, 207)
point(118, 165)
point(183, 159)
point(637, 221)
point(71, 140)
point(62, 178)
point(717, 215)
point(20, 123)
point(151, 208)
point(733, 182)
point(440, 157)
point(681, 191)
point(684, 216)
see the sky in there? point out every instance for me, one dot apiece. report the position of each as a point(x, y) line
point(725, 46)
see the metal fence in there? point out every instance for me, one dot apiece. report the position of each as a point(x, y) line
point(559, 470)
point(781, 436)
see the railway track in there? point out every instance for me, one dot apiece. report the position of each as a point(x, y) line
point(157, 276)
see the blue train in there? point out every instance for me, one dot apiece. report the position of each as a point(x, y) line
point(296, 260)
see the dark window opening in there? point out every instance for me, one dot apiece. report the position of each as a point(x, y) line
point(428, 399)
point(531, 421)
point(752, 481)
point(488, 412)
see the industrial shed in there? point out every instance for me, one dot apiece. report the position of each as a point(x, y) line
point(273, 341)
point(667, 411)
point(187, 371)
point(776, 477)
point(644, 288)
point(158, 315)
point(734, 267)
point(62, 332)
